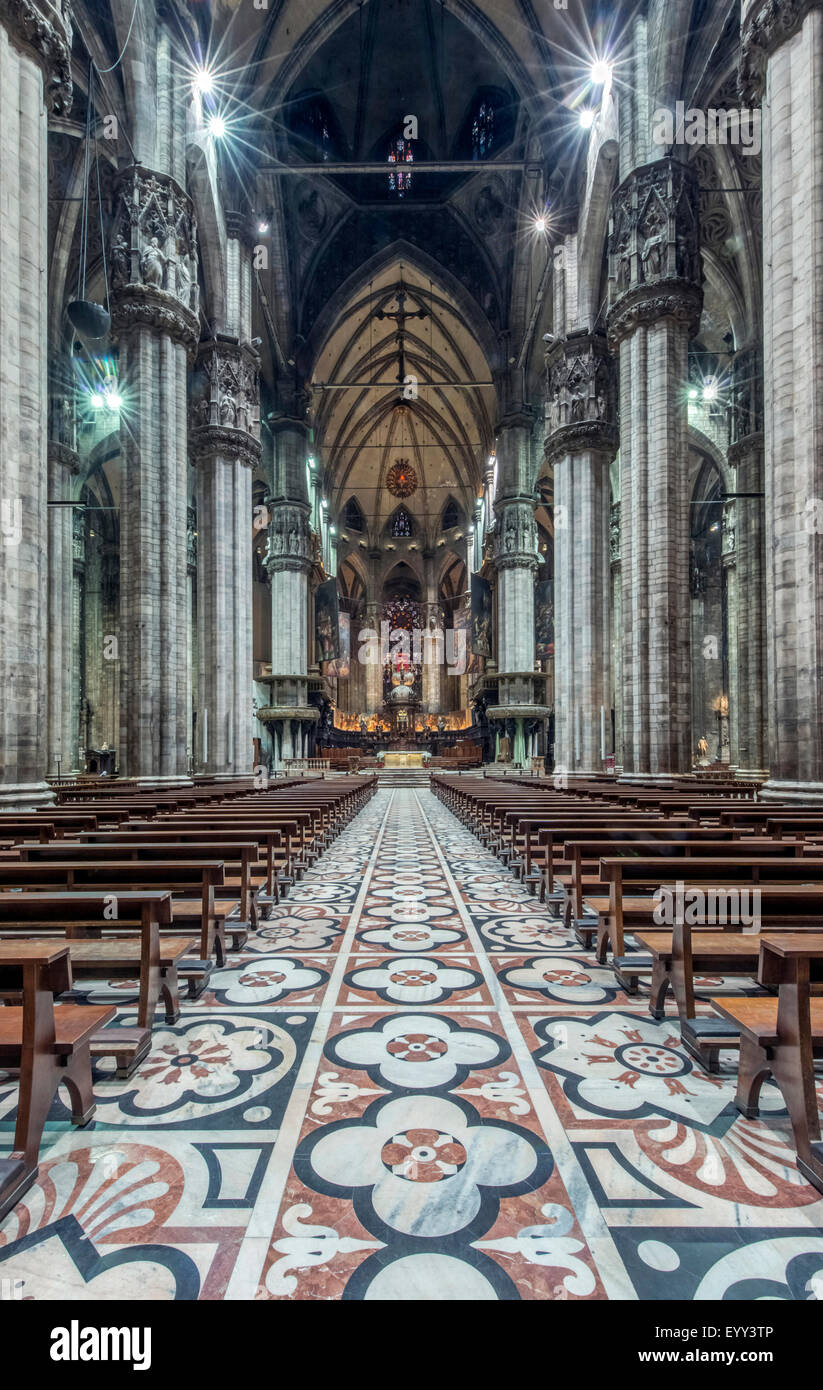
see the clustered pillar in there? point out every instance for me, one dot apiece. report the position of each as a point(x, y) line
point(581, 444)
point(35, 74)
point(656, 300)
point(782, 61)
point(154, 319)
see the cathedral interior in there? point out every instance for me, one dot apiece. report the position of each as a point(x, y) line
point(402, 400)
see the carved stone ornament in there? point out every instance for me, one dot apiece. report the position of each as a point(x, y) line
point(766, 24)
point(515, 537)
point(46, 29)
point(153, 257)
point(224, 412)
point(614, 533)
point(655, 269)
point(290, 538)
point(580, 401)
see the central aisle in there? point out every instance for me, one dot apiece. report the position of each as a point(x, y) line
point(481, 1114)
point(413, 1085)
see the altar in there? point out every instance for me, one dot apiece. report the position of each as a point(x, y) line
point(403, 760)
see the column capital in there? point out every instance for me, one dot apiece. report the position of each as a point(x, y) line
point(154, 257)
point(61, 456)
point(515, 536)
point(239, 227)
point(765, 26)
point(581, 395)
point(290, 545)
point(224, 413)
point(655, 269)
point(45, 28)
point(749, 449)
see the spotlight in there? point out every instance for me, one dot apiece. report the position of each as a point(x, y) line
point(540, 224)
point(693, 394)
point(203, 82)
point(310, 462)
point(710, 391)
point(600, 72)
point(262, 228)
point(114, 400)
point(97, 400)
point(333, 530)
point(217, 127)
point(587, 116)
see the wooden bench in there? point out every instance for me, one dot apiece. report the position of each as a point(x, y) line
point(192, 884)
point(782, 1037)
point(135, 945)
point(45, 1045)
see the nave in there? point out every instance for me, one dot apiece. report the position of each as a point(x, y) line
point(413, 1084)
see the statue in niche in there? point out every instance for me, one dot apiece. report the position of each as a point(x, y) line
point(578, 409)
point(510, 537)
point(228, 411)
point(601, 406)
point(654, 245)
point(294, 541)
point(624, 264)
point(120, 262)
point(153, 264)
point(441, 725)
point(554, 411)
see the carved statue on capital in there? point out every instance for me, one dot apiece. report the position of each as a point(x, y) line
point(581, 394)
point(154, 257)
point(515, 537)
point(766, 24)
point(290, 544)
point(44, 27)
point(225, 402)
point(655, 270)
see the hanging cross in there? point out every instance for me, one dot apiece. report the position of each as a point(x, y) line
point(400, 317)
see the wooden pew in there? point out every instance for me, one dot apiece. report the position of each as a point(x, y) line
point(45, 1044)
point(192, 884)
point(135, 945)
point(782, 1037)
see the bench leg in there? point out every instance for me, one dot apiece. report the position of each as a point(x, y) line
point(754, 1068)
point(38, 1084)
point(661, 980)
point(77, 1076)
point(170, 993)
point(602, 949)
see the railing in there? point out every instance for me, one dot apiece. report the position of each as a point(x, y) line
point(306, 764)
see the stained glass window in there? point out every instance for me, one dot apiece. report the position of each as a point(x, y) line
point(354, 516)
point(400, 155)
point(401, 524)
point(451, 516)
point(483, 130)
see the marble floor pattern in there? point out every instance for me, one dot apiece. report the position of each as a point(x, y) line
point(413, 1084)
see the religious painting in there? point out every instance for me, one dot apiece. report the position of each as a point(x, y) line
point(481, 630)
point(544, 619)
point(339, 667)
point(327, 621)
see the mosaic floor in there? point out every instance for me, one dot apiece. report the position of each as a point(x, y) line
point(412, 1085)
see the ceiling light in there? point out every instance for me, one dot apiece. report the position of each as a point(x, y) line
point(217, 127)
point(587, 116)
point(540, 224)
point(203, 81)
point(600, 72)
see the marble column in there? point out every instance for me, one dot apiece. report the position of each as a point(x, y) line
point(289, 560)
point(581, 445)
point(63, 466)
point(225, 448)
point(781, 65)
point(656, 299)
point(35, 77)
point(155, 322)
point(746, 457)
point(374, 669)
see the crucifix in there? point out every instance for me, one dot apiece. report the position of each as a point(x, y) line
point(400, 317)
